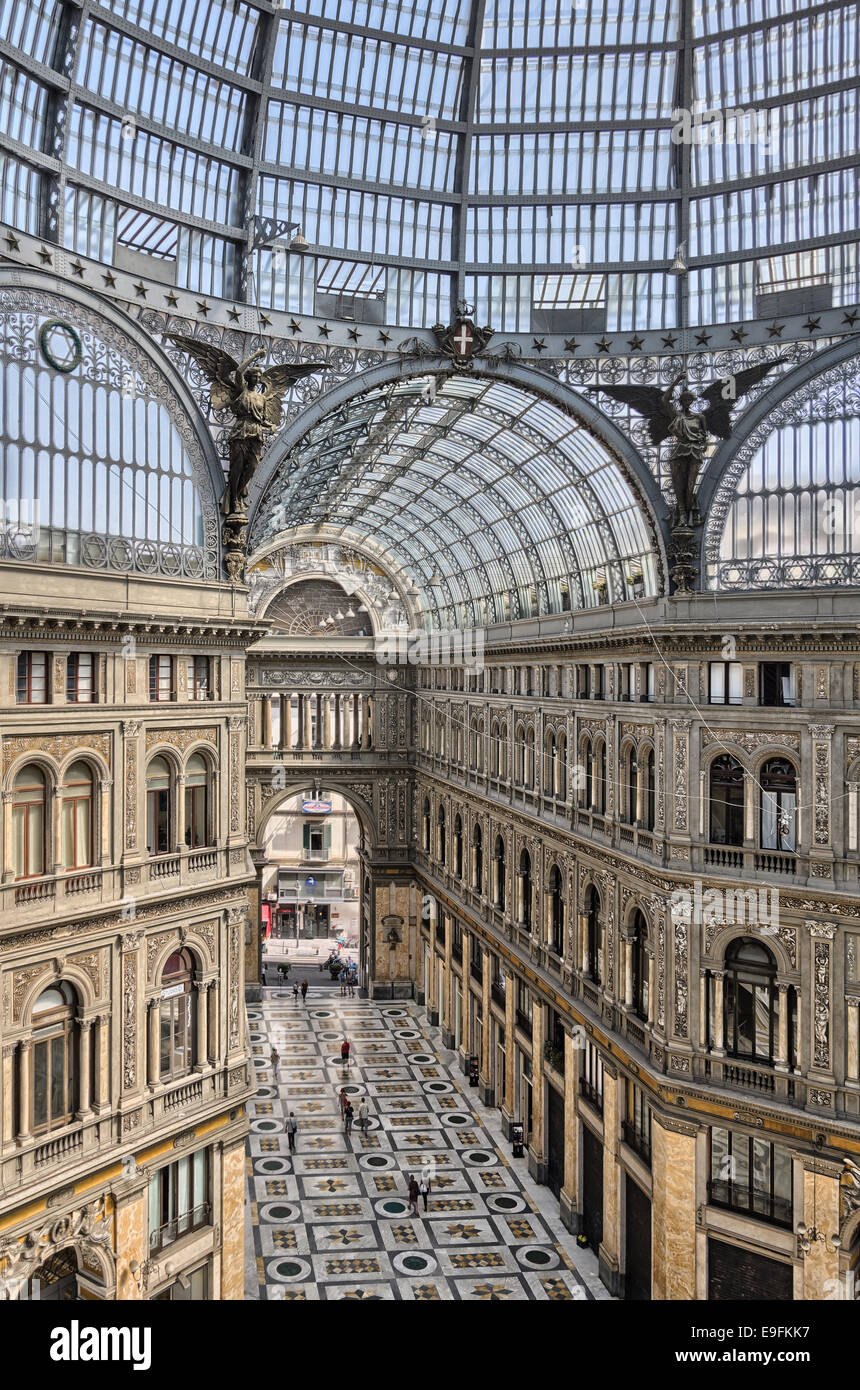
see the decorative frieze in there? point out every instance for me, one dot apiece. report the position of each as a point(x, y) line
point(56, 746)
point(751, 740)
point(822, 737)
point(180, 739)
point(822, 934)
point(680, 758)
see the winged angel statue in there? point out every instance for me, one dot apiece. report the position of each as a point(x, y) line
point(690, 429)
point(253, 398)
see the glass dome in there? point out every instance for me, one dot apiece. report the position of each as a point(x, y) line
point(545, 160)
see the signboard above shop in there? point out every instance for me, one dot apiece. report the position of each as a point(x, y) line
point(316, 808)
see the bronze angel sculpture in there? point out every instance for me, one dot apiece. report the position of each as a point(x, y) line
point(254, 399)
point(690, 429)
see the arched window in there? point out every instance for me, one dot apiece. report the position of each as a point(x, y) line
point(477, 859)
point(600, 777)
point(499, 873)
point(640, 965)
point(593, 936)
point(458, 846)
point(503, 751)
point(440, 834)
point(727, 801)
point(586, 784)
point(176, 1033)
point(520, 756)
point(631, 792)
point(649, 790)
point(54, 1059)
point(29, 822)
point(159, 836)
point(494, 750)
point(524, 878)
point(529, 778)
point(474, 746)
point(550, 764)
point(425, 826)
point(778, 805)
point(561, 769)
point(556, 911)
point(77, 817)
point(197, 802)
point(751, 1001)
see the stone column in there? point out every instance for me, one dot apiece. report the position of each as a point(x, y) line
point(432, 991)
point(852, 1020)
point(610, 1246)
point(719, 1048)
point(103, 1068)
point(781, 1059)
point(356, 742)
point(569, 1197)
point(202, 1006)
point(284, 731)
point(651, 991)
point(84, 1097)
point(8, 871)
point(365, 728)
point(537, 1147)
point(232, 1220)
point(821, 1209)
point(338, 714)
point(327, 732)
point(130, 1224)
point(267, 721)
point(54, 846)
point(466, 1034)
point(300, 716)
point(105, 826)
point(627, 949)
point(484, 1079)
point(508, 1102)
point(153, 1042)
point(673, 1209)
point(703, 1005)
point(318, 729)
point(25, 1048)
point(447, 1003)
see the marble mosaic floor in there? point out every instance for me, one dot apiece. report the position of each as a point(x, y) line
point(332, 1221)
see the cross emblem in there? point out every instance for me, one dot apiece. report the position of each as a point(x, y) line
point(463, 338)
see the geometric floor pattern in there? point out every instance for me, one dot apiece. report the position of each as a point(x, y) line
point(332, 1220)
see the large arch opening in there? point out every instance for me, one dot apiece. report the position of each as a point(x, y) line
point(494, 493)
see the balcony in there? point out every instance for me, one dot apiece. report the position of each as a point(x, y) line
point(748, 1077)
point(35, 892)
point(89, 881)
point(637, 1141)
point(748, 1201)
point(166, 866)
point(193, 1220)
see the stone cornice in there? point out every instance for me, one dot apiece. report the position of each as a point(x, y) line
point(69, 625)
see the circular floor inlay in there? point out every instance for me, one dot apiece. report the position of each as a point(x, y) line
point(272, 1165)
point(392, 1206)
point(321, 1013)
point(288, 1271)
point(265, 1093)
point(438, 1088)
point(421, 1057)
point(280, 1212)
point(537, 1257)
point(377, 1161)
point(393, 1013)
point(457, 1119)
point(414, 1263)
point(257, 1037)
point(479, 1157)
point(506, 1203)
point(405, 1033)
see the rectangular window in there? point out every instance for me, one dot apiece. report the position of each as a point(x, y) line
point(81, 678)
point(776, 683)
point(591, 1081)
point(637, 1125)
point(524, 1008)
point(197, 678)
point(598, 683)
point(584, 682)
point(32, 684)
point(726, 683)
point(750, 1175)
point(179, 1199)
point(650, 682)
point(161, 678)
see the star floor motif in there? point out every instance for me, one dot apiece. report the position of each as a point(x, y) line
point(333, 1178)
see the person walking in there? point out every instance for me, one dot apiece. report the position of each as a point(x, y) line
point(348, 1117)
point(304, 991)
point(363, 1116)
point(344, 1054)
point(295, 993)
point(275, 1060)
point(413, 1194)
point(424, 1187)
point(343, 1101)
point(292, 1131)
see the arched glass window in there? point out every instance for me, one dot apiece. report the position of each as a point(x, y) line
point(499, 873)
point(649, 790)
point(587, 785)
point(778, 805)
point(176, 1034)
point(54, 1059)
point(520, 756)
point(503, 751)
point(632, 787)
point(159, 837)
point(28, 822)
point(561, 769)
point(525, 889)
point(76, 820)
point(425, 826)
point(600, 777)
point(440, 835)
point(529, 778)
point(477, 859)
point(751, 1001)
point(550, 765)
point(458, 846)
point(727, 801)
point(640, 965)
point(197, 802)
point(593, 936)
point(556, 910)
